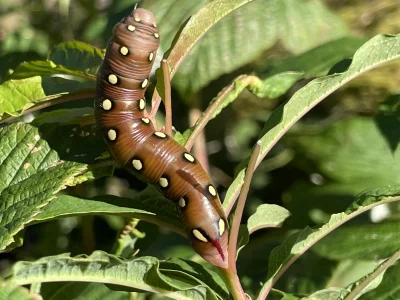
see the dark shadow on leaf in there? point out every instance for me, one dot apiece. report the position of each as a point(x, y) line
point(388, 121)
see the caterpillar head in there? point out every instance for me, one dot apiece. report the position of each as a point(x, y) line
point(206, 227)
point(141, 14)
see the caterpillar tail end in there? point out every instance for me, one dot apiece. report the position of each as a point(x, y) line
point(221, 260)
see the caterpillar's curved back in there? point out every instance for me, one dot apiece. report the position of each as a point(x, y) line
point(152, 155)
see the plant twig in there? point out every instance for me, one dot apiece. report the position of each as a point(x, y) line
point(167, 100)
point(370, 277)
point(231, 272)
point(67, 98)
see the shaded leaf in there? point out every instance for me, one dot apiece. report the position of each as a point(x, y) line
point(388, 121)
point(332, 151)
point(70, 58)
point(363, 241)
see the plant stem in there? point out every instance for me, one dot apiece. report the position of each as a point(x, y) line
point(370, 277)
point(70, 97)
point(231, 272)
point(167, 100)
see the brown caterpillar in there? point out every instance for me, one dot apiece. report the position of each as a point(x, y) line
point(152, 155)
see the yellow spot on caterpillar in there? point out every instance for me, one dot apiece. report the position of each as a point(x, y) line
point(137, 19)
point(137, 164)
point(144, 83)
point(124, 51)
point(212, 190)
point(113, 79)
point(131, 28)
point(151, 56)
point(163, 182)
point(160, 134)
point(156, 35)
point(221, 225)
point(182, 202)
point(112, 135)
point(146, 120)
point(199, 235)
point(189, 157)
point(142, 104)
point(107, 104)
point(154, 25)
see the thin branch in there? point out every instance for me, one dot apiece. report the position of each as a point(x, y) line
point(372, 276)
point(234, 233)
point(167, 100)
point(67, 98)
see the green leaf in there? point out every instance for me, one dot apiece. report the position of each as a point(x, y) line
point(70, 58)
point(170, 15)
point(143, 274)
point(31, 173)
point(332, 293)
point(251, 29)
point(19, 95)
point(267, 216)
point(332, 152)
point(10, 291)
point(305, 24)
point(10, 61)
point(68, 206)
point(76, 55)
point(193, 30)
point(65, 116)
point(202, 275)
point(221, 50)
point(80, 291)
point(317, 61)
point(271, 88)
point(389, 288)
point(376, 52)
point(148, 205)
point(286, 254)
point(350, 271)
point(363, 241)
